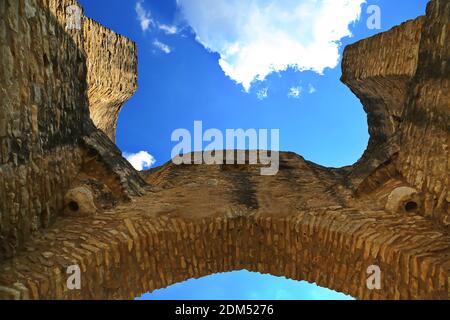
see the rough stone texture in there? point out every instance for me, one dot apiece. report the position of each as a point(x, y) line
point(308, 222)
point(112, 74)
point(379, 71)
point(44, 119)
point(424, 158)
point(264, 224)
point(404, 200)
point(403, 82)
point(41, 117)
point(79, 202)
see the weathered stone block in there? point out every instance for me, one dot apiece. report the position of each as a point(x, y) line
point(404, 200)
point(79, 202)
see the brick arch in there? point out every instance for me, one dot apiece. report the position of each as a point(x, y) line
point(126, 254)
point(308, 222)
point(325, 247)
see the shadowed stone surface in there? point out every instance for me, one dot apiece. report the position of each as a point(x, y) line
point(307, 222)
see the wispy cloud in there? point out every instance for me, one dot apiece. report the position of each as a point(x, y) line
point(262, 93)
point(162, 46)
point(141, 160)
point(257, 37)
point(168, 29)
point(143, 16)
point(295, 92)
point(311, 89)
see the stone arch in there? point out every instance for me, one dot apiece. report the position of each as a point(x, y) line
point(124, 255)
point(310, 223)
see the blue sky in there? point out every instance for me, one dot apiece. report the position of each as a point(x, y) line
point(197, 60)
point(244, 285)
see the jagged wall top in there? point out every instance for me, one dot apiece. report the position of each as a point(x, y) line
point(402, 78)
point(112, 73)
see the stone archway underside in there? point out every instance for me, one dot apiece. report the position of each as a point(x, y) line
point(243, 221)
point(173, 223)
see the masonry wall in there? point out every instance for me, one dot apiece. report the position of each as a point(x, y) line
point(45, 125)
point(112, 74)
point(403, 82)
point(43, 109)
point(383, 76)
point(424, 157)
point(129, 253)
point(381, 81)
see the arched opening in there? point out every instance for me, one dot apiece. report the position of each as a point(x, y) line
point(134, 251)
point(244, 285)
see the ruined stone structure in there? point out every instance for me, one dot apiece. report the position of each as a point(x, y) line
point(67, 197)
point(46, 136)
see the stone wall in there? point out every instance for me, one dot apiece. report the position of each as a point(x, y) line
point(112, 74)
point(403, 82)
point(381, 81)
point(43, 112)
point(44, 118)
point(201, 220)
point(424, 156)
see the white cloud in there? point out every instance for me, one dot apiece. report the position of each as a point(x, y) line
point(295, 92)
point(141, 160)
point(168, 29)
point(262, 94)
point(162, 46)
point(311, 89)
point(257, 37)
point(143, 16)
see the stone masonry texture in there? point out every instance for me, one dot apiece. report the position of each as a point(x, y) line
point(108, 54)
point(46, 134)
point(61, 91)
